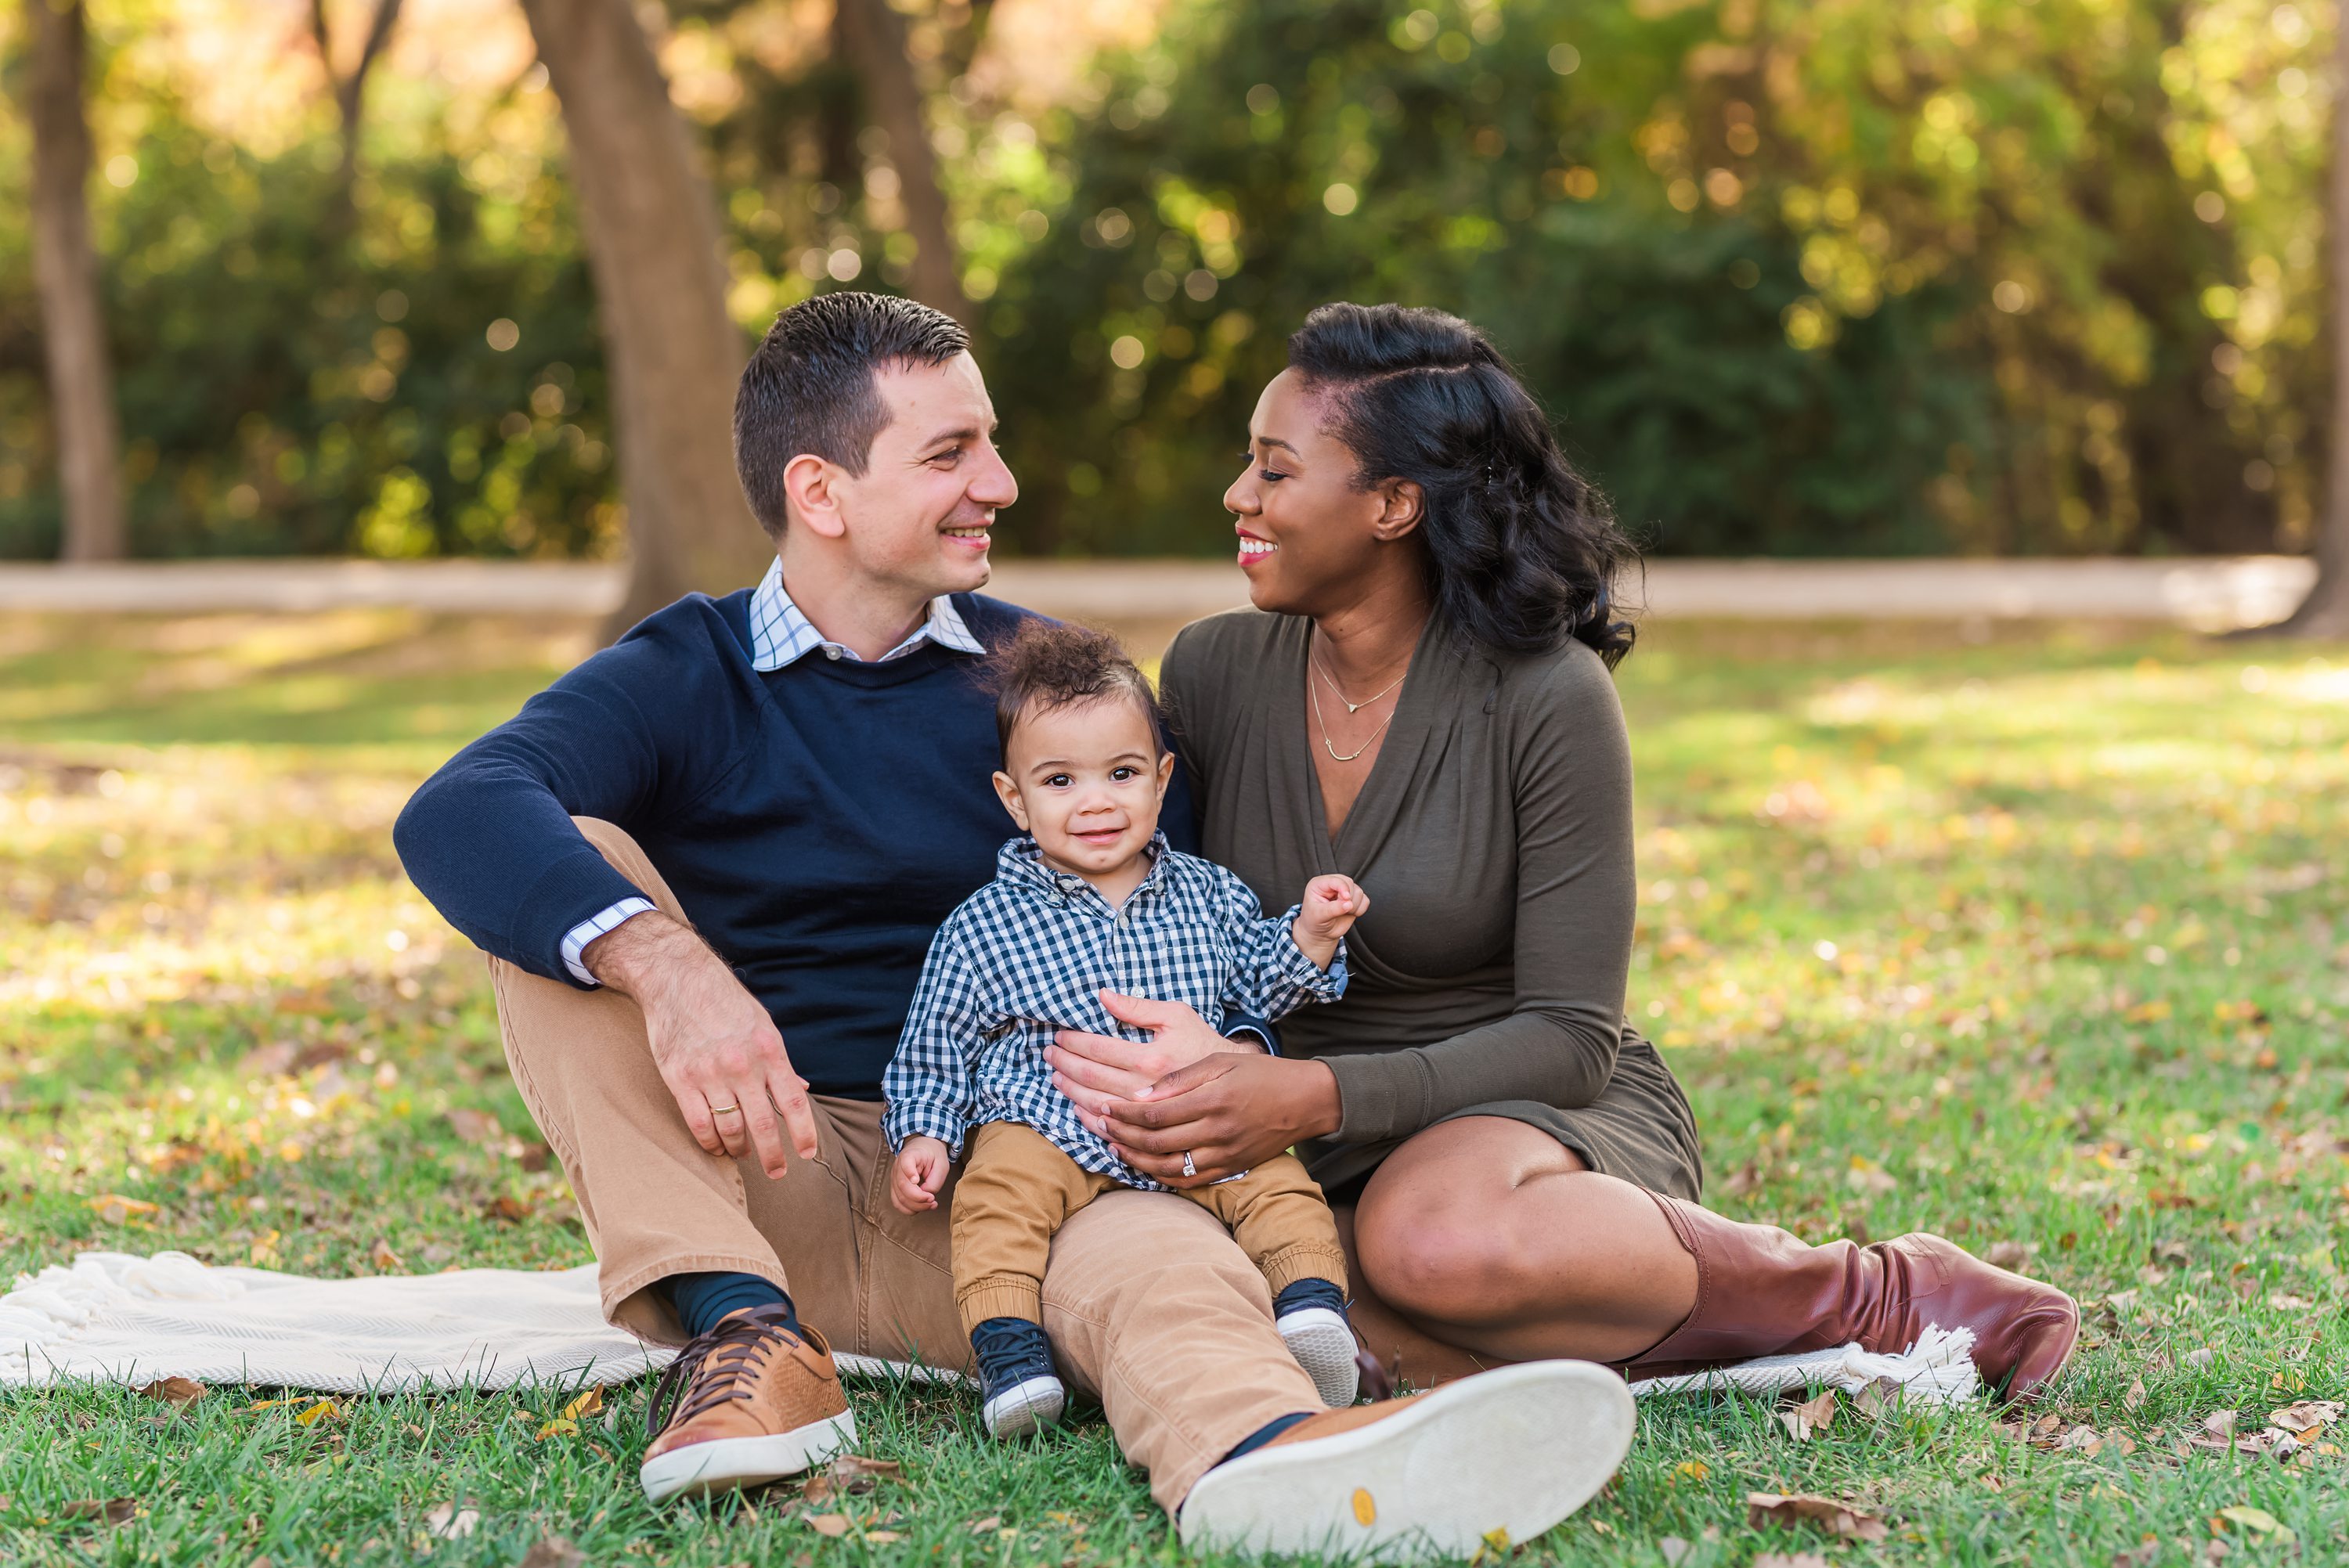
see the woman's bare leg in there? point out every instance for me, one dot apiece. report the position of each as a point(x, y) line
point(1490, 1236)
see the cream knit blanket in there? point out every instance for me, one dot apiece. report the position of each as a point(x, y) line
point(114, 1317)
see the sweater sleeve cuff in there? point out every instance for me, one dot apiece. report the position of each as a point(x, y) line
point(1379, 1095)
point(575, 941)
point(576, 891)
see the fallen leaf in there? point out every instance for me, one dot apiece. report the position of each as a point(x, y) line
point(591, 1403)
point(2283, 1301)
point(2220, 1423)
point(115, 1208)
point(109, 1509)
point(558, 1427)
point(855, 1473)
point(817, 1490)
point(2138, 1556)
point(831, 1525)
point(1494, 1546)
point(2125, 1443)
point(1813, 1416)
point(981, 1526)
point(2135, 1398)
point(553, 1552)
point(882, 1537)
point(2007, 1255)
point(2258, 1521)
point(1836, 1518)
point(1789, 1560)
point(263, 1252)
point(2303, 1420)
point(1692, 1470)
point(324, 1410)
point(1882, 1394)
point(506, 1207)
point(2201, 1358)
point(177, 1392)
point(383, 1258)
point(477, 1127)
point(451, 1522)
point(2081, 1439)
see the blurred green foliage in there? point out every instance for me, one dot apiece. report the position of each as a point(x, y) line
point(1796, 277)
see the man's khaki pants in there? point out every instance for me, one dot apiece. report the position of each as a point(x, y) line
point(1151, 1306)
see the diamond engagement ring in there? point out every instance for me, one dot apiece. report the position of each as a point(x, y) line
point(1188, 1168)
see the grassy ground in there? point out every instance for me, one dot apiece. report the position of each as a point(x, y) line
point(2042, 943)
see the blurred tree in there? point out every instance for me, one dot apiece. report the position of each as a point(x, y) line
point(350, 94)
point(874, 36)
point(2326, 612)
point(660, 288)
point(64, 263)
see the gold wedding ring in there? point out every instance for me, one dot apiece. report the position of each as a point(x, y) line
point(722, 1109)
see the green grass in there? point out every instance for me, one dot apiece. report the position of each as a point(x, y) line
point(2041, 943)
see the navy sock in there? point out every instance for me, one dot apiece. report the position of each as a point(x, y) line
point(701, 1299)
point(1264, 1435)
point(1307, 1292)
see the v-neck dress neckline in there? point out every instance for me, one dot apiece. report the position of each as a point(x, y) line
point(1399, 757)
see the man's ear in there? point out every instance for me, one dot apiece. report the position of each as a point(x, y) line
point(1008, 793)
point(812, 486)
point(1405, 504)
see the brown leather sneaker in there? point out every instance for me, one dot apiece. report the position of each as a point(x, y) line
point(749, 1402)
point(1482, 1462)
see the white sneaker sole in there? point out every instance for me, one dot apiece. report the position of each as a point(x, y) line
point(1496, 1459)
point(1025, 1407)
point(724, 1464)
point(1324, 1346)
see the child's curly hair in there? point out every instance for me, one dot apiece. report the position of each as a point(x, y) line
point(1054, 664)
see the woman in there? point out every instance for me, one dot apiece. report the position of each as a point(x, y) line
point(1421, 699)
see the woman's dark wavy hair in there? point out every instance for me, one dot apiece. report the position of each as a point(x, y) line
point(1524, 553)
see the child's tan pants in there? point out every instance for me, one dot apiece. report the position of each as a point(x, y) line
point(1017, 1188)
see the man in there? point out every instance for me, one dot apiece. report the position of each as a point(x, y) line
point(707, 865)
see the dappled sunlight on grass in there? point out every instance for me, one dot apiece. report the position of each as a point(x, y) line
point(2044, 944)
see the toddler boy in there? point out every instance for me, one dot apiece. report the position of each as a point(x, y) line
point(1090, 898)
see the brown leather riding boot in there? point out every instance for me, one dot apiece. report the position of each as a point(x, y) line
point(1762, 1292)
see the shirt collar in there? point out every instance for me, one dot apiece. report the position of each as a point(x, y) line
point(1020, 861)
point(781, 631)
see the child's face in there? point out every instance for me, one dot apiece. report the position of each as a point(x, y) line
point(1087, 781)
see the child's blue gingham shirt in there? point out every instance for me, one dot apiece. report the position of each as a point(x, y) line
point(1027, 953)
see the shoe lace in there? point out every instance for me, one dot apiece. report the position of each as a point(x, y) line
point(717, 1366)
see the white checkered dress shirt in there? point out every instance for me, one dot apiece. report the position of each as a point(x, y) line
point(780, 634)
point(1025, 954)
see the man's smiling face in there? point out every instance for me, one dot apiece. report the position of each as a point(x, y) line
point(919, 516)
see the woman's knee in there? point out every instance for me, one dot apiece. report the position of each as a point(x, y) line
point(1439, 1258)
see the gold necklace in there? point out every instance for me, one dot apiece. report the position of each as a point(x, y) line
point(1356, 707)
point(1330, 746)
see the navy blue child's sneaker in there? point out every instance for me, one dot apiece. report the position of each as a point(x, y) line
point(1022, 1393)
point(1312, 1317)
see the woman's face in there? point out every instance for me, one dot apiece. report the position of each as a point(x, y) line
point(1308, 538)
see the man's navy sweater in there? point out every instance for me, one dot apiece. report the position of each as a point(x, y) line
point(817, 822)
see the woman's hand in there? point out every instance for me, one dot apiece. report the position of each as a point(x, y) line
point(1094, 1069)
point(1229, 1112)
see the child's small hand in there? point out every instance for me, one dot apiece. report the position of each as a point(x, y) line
point(920, 1170)
point(1328, 910)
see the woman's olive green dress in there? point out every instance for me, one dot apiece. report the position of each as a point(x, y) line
point(1493, 836)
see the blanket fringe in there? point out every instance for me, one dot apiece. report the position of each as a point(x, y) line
point(1939, 1369)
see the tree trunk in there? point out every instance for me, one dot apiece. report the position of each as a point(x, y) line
point(660, 295)
point(2326, 612)
point(65, 268)
point(876, 36)
point(350, 96)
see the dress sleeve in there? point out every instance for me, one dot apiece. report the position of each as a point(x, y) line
point(1577, 895)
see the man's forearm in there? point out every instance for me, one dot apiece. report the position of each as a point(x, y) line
point(642, 953)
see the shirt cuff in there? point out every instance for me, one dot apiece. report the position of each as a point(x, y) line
point(909, 1118)
point(575, 941)
point(1310, 978)
point(1246, 1027)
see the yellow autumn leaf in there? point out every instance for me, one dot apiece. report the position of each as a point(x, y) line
point(324, 1410)
point(1692, 1470)
point(115, 1208)
point(591, 1403)
point(558, 1427)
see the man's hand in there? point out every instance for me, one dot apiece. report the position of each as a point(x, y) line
point(1094, 1069)
point(920, 1171)
point(716, 1047)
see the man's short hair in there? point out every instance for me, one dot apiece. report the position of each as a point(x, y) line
point(810, 388)
point(1053, 664)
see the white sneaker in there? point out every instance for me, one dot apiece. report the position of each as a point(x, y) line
point(1323, 1343)
point(1491, 1461)
point(1026, 1407)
